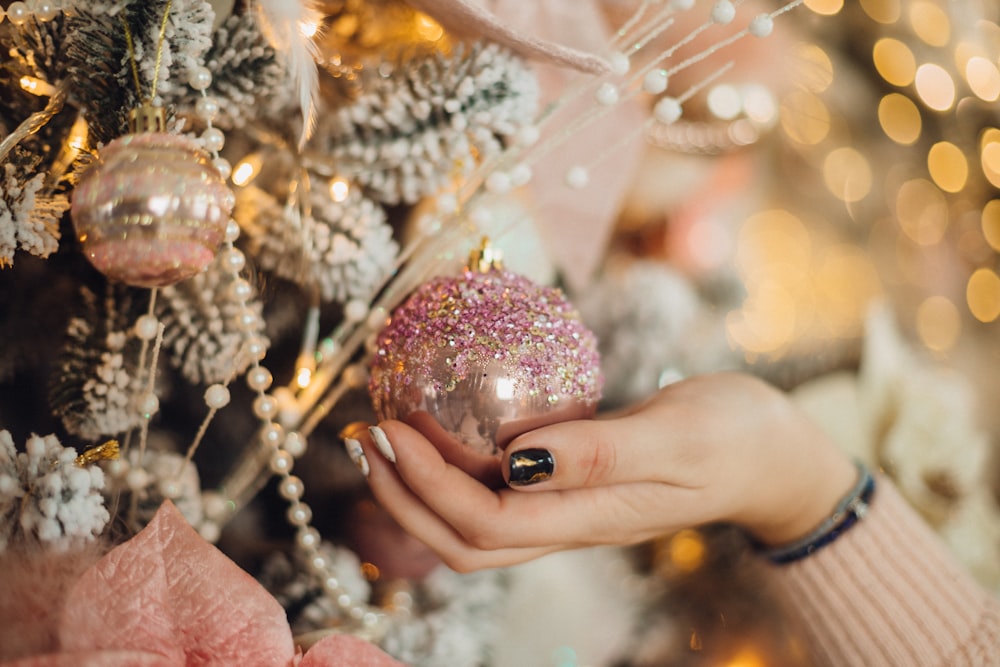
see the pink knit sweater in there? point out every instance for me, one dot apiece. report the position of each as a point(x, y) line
point(888, 594)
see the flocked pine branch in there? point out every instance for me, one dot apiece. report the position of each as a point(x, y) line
point(202, 334)
point(45, 494)
point(29, 217)
point(344, 249)
point(248, 79)
point(97, 381)
point(416, 130)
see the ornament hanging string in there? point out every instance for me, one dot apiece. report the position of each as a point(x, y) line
point(159, 54)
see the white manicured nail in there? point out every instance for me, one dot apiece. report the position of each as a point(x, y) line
point(357, 455)
point(382, 443)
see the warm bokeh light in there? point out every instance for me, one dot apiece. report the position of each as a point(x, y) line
point(340, 188)
point(938, 323)
point(813, 69)
point(935, 86)
point(930, 23)
point(922, 211)
point(804, 118)
point(882, 11)
point(846, 283)
point(847, 174)
point(247, 169)
point(982, 293)
point(746, 657)
point(825, 7)
point(899, 118)
point(428, 28)
point(948, 166)
point(989, 156)
point(990, 221)
point(894, 61)
point(983, 78)
point(687, 550)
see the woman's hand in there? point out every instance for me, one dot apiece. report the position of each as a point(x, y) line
point(723, 447)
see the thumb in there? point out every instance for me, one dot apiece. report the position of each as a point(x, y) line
point(576, 454)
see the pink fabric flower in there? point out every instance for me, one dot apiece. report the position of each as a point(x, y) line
point(167, 597)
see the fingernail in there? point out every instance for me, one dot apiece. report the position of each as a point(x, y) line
point(531, 466)
point(382, 443)
point(357, 455)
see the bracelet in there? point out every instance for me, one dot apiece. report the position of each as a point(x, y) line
point(852, 508)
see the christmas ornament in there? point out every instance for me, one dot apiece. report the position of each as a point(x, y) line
point(153, 210)
point(489, 354)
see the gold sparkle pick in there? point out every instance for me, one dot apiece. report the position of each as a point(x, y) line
point(106, 451)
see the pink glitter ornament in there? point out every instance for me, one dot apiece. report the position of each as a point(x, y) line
point(489, 355)
point(153, 210)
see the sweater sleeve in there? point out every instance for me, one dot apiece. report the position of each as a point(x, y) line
point(888, 592)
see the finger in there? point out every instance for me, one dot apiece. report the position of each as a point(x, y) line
point(414, 516)
point(491, 520)
point(588, 453)
point(483, 466)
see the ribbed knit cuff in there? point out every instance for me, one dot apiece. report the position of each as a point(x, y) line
point(888, 593)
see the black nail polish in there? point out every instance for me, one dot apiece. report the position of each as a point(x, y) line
point(530, 466)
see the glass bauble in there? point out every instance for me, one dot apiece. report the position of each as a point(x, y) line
point(489, 355)
point(153, 210)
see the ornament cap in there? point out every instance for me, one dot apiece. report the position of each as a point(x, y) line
point(485, 258)
point(147, 118)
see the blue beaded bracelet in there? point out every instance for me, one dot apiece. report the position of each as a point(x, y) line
point(851, 509)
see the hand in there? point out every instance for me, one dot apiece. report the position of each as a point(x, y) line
point(723, 447)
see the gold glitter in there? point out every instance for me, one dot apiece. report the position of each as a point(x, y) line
point(106, 451)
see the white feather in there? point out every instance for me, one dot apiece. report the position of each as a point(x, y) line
point(282, 22)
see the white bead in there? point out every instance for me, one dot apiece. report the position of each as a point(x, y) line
point(259, 378)
point(723, 12)
point(356, 310)
point(247, 320)
point(356, 613)
point(223, 166)
point(682, 5)
point(209, 531)
point(761, 25)
point(255, 348)
point(147, 326)
point(281, 462)
point(232, 231)
point(213, 139)
point(299, 514)
point(332, 585)
point(528, 135)
point(655, 81)
point(619, 63)
point(294, 444)
point(376, 319)
point(577, 177)
point(148, 405)
point(344, 601)
point(170, 489)
point(307, 538)
point(272, 434)
point(520, 175)
point(18, 13)
point(217, 396)
point(234, 260)
point(291, 488)
point(241, 289)
point(607, 94)
point(265, 406)
point(116, 468)
point(667, 110)
point(200, 78)
point(215, 505)
point(498, 183)
point(137, 479)
point(206, 107)
point(46, 11)
point(318, 563)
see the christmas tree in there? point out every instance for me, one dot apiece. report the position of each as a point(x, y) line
point(208, 211)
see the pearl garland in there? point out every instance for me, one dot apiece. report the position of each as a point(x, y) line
point(20, 13)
